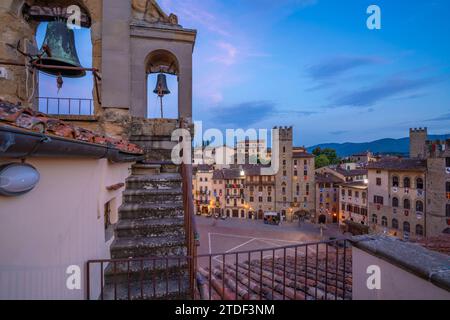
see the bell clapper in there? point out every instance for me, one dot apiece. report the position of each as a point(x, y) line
point(59, 82)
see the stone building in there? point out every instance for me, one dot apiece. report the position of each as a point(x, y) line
point(327, 198)
point(397, 197)
point(294, 194)
point(354, 203)
point(411, 196)
point(259, 192)
point(202, 187)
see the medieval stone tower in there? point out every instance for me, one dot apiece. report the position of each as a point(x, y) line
point(417, 141)
point(283, 178)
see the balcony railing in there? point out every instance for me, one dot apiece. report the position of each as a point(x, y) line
point(66, 106)
point(310, 271)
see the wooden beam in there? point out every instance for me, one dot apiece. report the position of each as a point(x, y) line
point(51, 13)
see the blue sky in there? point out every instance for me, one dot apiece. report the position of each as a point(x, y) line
point(314, 64)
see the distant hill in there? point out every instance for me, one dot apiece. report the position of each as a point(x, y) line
point(391, 146)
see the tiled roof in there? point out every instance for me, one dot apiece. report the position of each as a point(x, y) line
point(399, 164)
point(28, 119)
point(356, 185)
point(302, 154)
point(351, 173)
point(203, 167)
point(320, 281)
point(327, 178)
point(218, 175)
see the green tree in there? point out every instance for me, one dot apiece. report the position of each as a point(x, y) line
point(322, 161)
point(331, 155)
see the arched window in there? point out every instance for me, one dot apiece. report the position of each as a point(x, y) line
point(395, 181)
point(374, 218)
point(419, 230)
point(395, 202)
point(406, 227)
point(419, 183)
point(407, 204)
point(384, 222)
point(394, 224)
point(419, 206)
point(407, 183)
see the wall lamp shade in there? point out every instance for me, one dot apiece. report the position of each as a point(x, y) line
point(17, 179)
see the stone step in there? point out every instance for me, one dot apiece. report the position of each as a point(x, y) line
point(174, 289)
point(156, 181)
point(152, 154)
point(140, 169)
point(148, 227)
point(153, 196)
point(159, 270)
point(167, 166)
point(124, 248)
point(152, 210)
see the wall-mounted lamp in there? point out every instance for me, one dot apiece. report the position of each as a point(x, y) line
point(17, 179)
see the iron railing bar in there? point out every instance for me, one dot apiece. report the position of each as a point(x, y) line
point(209, 279)
point(306, 270)
point(345, 266)
point(154, 278)
point(115, 280)
point(101, 282)
point(142, 279)
point(326, 272)
point(273, 272)
point(249, 275)
point(167, 276)
point(337, 271)
point(261, 274)
point(284, 275)
point(317, 270)
point(128, 280)
point(236, 275)
point(295, 274)
point(88, 279)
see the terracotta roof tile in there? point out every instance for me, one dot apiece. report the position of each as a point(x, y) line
point(399, 164)
point(27, 118)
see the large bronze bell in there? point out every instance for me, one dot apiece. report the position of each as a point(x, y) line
point(59, 50)
point(161, 86)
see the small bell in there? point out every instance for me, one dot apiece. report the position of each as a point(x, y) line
point(161, 89)
point(161, 86)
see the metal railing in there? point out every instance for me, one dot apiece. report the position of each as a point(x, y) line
point(192, 236)
point(65, 106)
point(312, 271)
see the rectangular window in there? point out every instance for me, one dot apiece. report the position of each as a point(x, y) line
point(447, 162)
point(447, 210)
point(378, 200)
point(350, 193)
point(260, 199)
point(378, 181)
point(269, 199)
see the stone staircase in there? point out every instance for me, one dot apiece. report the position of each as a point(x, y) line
point(151, 224)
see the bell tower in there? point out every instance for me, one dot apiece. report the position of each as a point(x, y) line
point(417, 141)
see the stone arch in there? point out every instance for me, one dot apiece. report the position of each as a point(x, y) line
point(162, 60)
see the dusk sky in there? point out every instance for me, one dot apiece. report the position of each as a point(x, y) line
point(312, 64)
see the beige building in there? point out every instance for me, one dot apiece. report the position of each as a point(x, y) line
point(327, 198)
point(412, 196)
point(259, 192)
point(354, 203)
point(397, 197)
point(202, 188)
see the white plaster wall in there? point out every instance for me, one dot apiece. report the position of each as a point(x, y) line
point(396, 283)
point(59, 223)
